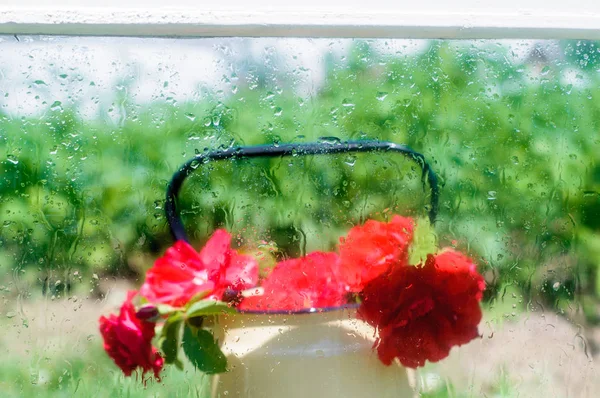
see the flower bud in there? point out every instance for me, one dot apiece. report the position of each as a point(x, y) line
point(148, 313)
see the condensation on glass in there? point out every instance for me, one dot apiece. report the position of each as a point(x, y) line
point(91, 130)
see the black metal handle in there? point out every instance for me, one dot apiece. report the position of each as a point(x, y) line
point(172, 212)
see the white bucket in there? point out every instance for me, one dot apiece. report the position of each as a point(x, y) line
point(324, 354)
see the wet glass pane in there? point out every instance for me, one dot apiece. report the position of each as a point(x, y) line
point(93, 129)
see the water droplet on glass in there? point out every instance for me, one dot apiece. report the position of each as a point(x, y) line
point(56, 106)
point(491, 195)
point(13, 159)
point(569, 88)
point(190, 116)
point(347, 103)
point(381, 95)
point(34, 377)
point(330, 140)
point(278, 111)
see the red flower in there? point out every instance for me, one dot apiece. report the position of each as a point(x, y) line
point(422, 312)
point(127, 340)
point(182, 273)
point(370, 249)
point(307, 282)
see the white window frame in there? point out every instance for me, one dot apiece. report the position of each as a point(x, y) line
point(425, 19)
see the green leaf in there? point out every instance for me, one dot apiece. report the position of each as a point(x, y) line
point(208, 307)
point(165, 309)
point(424, 242)
point(169, 340)
point(199, 296)
point(202, 350)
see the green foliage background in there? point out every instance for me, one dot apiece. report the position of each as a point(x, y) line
point(516, 148)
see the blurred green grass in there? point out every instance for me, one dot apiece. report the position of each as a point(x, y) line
point(91, 374)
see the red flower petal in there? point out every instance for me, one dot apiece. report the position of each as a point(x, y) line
point(127, 340)
point(177, 277)
point(308, 282)
point(422, 312)
point(370, 249)
point(182, 273)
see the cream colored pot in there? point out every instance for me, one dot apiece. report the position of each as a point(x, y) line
point(327, 354)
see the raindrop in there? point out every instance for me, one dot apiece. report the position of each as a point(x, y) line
point(381, 95)
point(350, 160)
point(569, 88)
point(13, 159)
point(56, 106)
point(491, 195)
point(34, 377)
point(278, 111)
point(330, 140)
point(545, 70)
point(190, 116)
point(347, 103)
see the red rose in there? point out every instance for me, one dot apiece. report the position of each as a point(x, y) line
point(370, 249)
point(422, 312)
point(127, 340)
point(307, 282)
point(182, 273)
